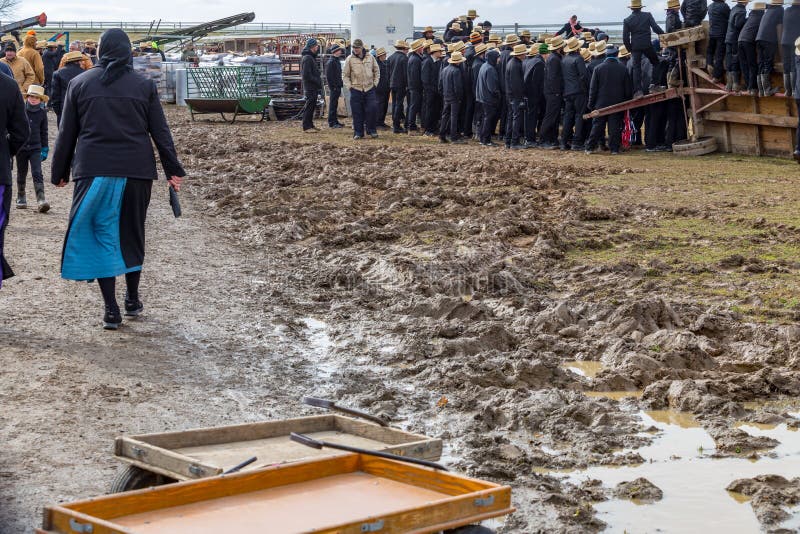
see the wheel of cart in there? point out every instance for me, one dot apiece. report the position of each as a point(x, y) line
point(131, 477)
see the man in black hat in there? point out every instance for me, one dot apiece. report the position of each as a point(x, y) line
point(636, 36)
point(398, 84)
point(333, 73)
point(610, 85)
point(534, 91)
point(553, 94)
point(312, 83)
point(487, 30)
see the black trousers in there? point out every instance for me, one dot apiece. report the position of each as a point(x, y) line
point(787, 55)
point(503, 117)
point(5, 208)
point(614, 122)
point(333, 106)
point(676, 122)
point(489, 122)
point(655, 127)
point(550, 121)
point(532, 114)
point(766, 56)
point(450, 122)
point(715, 55)
point(383, 106)
point(749, 63)
point(574, 105)
point(636, 57)
point(477, 117)
point(638, 117)
point(797, 140)
point(429, 109)
point(29, 159)
point(414, 108)
point(398, 101)
point(515, 127)
point(469, 115)
point(732, 58)
point(309, 108)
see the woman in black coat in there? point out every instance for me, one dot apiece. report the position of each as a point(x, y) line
point(110, 116)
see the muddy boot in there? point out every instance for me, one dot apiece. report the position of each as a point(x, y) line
point(22, 202)
point(44, 206)
point(787, 85)
point(728, 82)
point(766, 83)
point(760, 82)
point(735, 86)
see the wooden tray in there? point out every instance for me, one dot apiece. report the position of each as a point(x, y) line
point(345, 494)
point(205, 452)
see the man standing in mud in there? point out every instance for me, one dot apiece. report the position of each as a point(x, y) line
point(312, 83)
point(398, 83)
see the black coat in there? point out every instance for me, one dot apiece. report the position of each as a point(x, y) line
point(770, 24)
point(610, 85)
point(474, 69)
point(92, 141)
point(438, 68)
point(487, 91)
point(796, 90)
point(505, 56)
point(566, 29)
point(750, 28)
point(414, 74)
point(534, 78)
point(383, 83)
point(693, 11)
point(61, 79)
point(593, 64)
point(576, 77)
point(718, 14)
point(37, 123)
point(791, 25)
point(50, 59)
point(333, 73)
point(453, 84)
point(515, 80)
point(429, 74)
point(553, 79)
point(673, 21)
point(309, 71)
point(736, 21)
point(398, 73)
point(636, 30)
point(13, 125)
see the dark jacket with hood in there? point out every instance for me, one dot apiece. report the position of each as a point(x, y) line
point(487, 90)
point(610, 85)
point(61, 79)
point(414, 74)
point(429, 74)
point(505, 56)
point(309, 71)
point(576, 76)
point(553, 78)
point(92, 141)
point(474, 70)
point(693, 11)
point(383, 83)
point(673, 21)
point(50, 58)
point(37, 123)
point(515, 79)
point(453, 83)
point(718, 15)
point(333, 73)
point(750, 28)
point(770, 25)
point(398, 71)
point(533, 72)
point(13, 126)
point(636, 30)
point(736, 22)
point(791, 25)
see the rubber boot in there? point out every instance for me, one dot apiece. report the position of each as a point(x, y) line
point(787, 85)
point(44, 206)
point(760, 82)
point(767, 84)
point(728, 82)
point(735, 87)
point(22, 202)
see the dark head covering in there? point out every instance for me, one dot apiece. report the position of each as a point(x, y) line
point(115, 55)
point(11, 46)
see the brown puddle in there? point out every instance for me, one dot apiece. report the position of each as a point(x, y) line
point(589, 369)
point(614, 395)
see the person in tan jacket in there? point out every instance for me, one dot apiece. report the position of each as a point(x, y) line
point(32, 55)
point(361, 75)
point(23, 72)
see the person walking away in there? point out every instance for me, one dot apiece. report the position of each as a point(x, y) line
point(610, 85)
point(414, 77)
point(398, 84)
point(333, 74)
point(636, 36)
point(35, 150)
point(430, 81)
point(50, 59)
point(14, 132)
point(312, 83)
point(505, 55)
point(553, 93)
point(791, 31)
point(73, 65)
point(576, 89)
point(748, 58)
point(453, 94)
point(767, 39)
point(533, 77)
point(113, 167)
point(733, 66)
point(693, 11)
point(572, 28)
point(361, 76)
point(382, 90)
point(487, 92)
point(32, 56)
point(515, 93)
point(22, 70)
point(718, 15)
point(477, 62)
point(795, 92)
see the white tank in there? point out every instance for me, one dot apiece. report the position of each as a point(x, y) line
point(379, 23)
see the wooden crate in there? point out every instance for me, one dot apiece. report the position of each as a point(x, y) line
point(345, 495)
point(200, 453)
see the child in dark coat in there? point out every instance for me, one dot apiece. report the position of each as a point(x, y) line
point(35, 149)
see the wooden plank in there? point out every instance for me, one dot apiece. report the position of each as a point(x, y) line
point(404, 443)
point(63, 520)
point(684, 36)
point(646, 100)
point(167, 460)
point(751, 118)
point(441, 481)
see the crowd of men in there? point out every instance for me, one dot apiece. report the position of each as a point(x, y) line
point(527, 92)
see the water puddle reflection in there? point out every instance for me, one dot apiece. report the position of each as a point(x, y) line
point(614, 395)
point(589, 369)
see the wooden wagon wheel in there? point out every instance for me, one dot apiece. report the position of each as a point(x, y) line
point(133, 478)
point(704, 145)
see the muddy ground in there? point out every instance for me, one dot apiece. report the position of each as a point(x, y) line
point(441, 288)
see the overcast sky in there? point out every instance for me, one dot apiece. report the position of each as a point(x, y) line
point(326, 11)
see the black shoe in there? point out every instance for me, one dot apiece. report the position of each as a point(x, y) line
point(112, 319)
point(577, 148)
point(549, 146)
point(335, 126)
point(459, 141)
point(374, 135)
point(443, 140)
point(413, 128)
point(518, 147)
point(357, 137)
point(133, 308)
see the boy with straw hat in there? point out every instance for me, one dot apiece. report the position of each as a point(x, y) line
point(453, 95)
point(636, 36)
point(553, 93)
point(515, 93)
point(576, 89)
point(534, 70)
point(736, 21)
point(35, 149)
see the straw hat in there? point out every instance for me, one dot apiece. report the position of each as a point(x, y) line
point(51, 44)
point(623, 51)
point(599, 48)
point(472, 14)
point(480, 49)
point(674, 4)
point(759, 6)
point(556, 43)
point(428, 29)
point(69, 57)
point(636, 4)
point(475, 37)
point(458, 46)
point(380, 52)
point(456, 58)
point(462, 18)
point(533, 50)
point(416, 45)
point(572, 44)
point(543, 37)
point(525, 33)
point(587, 37)
point(38, 92)
point(455, 27)
point(776, 2)
point(494, 38)
point(585, 54)
point(519, 50)
point(435, 47)
point(401, 45)
point(491, 46)
point(511, 39)
point(41, 45)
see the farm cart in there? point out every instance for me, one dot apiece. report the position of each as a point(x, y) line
point(240, 90)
